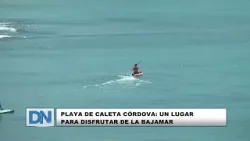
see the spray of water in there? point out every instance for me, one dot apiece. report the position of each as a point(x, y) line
point(123, 81)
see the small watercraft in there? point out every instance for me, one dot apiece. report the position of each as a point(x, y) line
point(5, 111)
point(137, 75)
point(136, 69)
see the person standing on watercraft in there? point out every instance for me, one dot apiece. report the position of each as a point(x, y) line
point(136, 69)
point(1, 106)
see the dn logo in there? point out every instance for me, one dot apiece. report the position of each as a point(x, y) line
point(39, 117)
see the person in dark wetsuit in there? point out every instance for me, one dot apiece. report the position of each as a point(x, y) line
point(1, 107)
point(135, 69)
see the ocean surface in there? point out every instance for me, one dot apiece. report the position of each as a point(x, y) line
point(75, 54)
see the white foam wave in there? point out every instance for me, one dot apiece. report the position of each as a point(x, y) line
point(7, 29)
point(4, 36)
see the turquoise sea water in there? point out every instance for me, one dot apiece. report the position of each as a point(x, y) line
point(69, 54)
